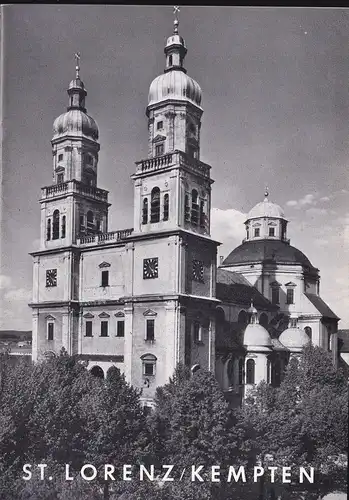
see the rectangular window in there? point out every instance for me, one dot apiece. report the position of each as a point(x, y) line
point(159, 149)
point(197, 331)
point(88, 329)
point(104, 328)
point(105, 278)
point(275, 295)
point(160, 125)
point(50, 331)
point(257, 232)
point(290, 296)
point(149, 369)
point(60, 157)
point(120, 328)
point(272, 231)
point(60, 178)
point(150, 329)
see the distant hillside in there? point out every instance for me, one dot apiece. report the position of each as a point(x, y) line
point(15, 335)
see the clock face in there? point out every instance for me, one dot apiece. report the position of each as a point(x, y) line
point(51, 277)
point(198, 270)
point(150, 268)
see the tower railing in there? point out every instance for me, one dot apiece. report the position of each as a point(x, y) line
point(172, 159)
point(74, 186)
point(101, 238)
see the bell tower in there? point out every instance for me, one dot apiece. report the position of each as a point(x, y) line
point(171, 311)
point(73, 206)
point(172, 186)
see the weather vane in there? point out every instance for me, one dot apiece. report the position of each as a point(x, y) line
point(176, 11)
point(77, 67)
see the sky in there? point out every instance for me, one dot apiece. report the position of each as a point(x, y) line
point(275, 98)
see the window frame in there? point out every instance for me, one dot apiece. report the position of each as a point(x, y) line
point(104, 326)
point(250, 371)
point(88, 332)
point(60, 157)
point(271, 230)
point(289, 295)
point(256, 232)
point(104, 273)
point(159, 149)
point(197, 332)
point(120, 322)
point(50, 331)
point(148, 330)
point(160, 125)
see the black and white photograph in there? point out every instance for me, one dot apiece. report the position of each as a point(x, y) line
point(174, 273)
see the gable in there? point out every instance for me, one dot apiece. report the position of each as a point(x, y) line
point(104, 264)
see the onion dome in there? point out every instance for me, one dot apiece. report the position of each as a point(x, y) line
point(294, 337)
point(266, 208)
point(75, 121)
point(255, 334)
point(174, 83)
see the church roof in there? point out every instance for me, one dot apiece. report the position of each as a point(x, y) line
point(275, 251)
point(266, 209)
point(321, 306)
point(234, 287)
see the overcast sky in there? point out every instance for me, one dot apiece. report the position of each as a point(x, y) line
point(275, 99)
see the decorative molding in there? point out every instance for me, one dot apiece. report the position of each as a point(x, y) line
point(290, 284)
point(150, 312)
point(104, 315)
point(60, 169)
point(88, 316)
point(119, 314)
point(50, 318)
point(148, 357)
point(68, 148)
point(275, 284)
point(159, 138)
point(104, 264)
point(101, 357)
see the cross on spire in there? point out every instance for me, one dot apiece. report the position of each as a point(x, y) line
point(176, 11)
point(77, 61)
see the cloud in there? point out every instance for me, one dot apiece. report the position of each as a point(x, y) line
point(15, 313)
point(308, 199)
point(317, 211)
point(325, 198)
point(5, 282)
point(227, 226)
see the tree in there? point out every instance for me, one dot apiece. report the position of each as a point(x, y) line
point(197, 428)
point(116, 426)
point(304, 422)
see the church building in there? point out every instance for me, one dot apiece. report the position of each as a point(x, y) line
point(149, 297)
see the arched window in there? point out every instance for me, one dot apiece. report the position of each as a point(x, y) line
point(194, 207)
point(90, 221)
point(63, 227)
point(166, 206)
point(55, 225)
point(230, 372)
point(195, 368)
point(149, 364)
point(186, 208)
point(155, 205)
point(308, 331)
point(48, 234)
point(202, 214)
point(241, 371)
point(220, 316)
point(268, 371)
point(145, 211)
point(250, 365)
point(242, 318)
point(263, 320)
point(97, 371)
